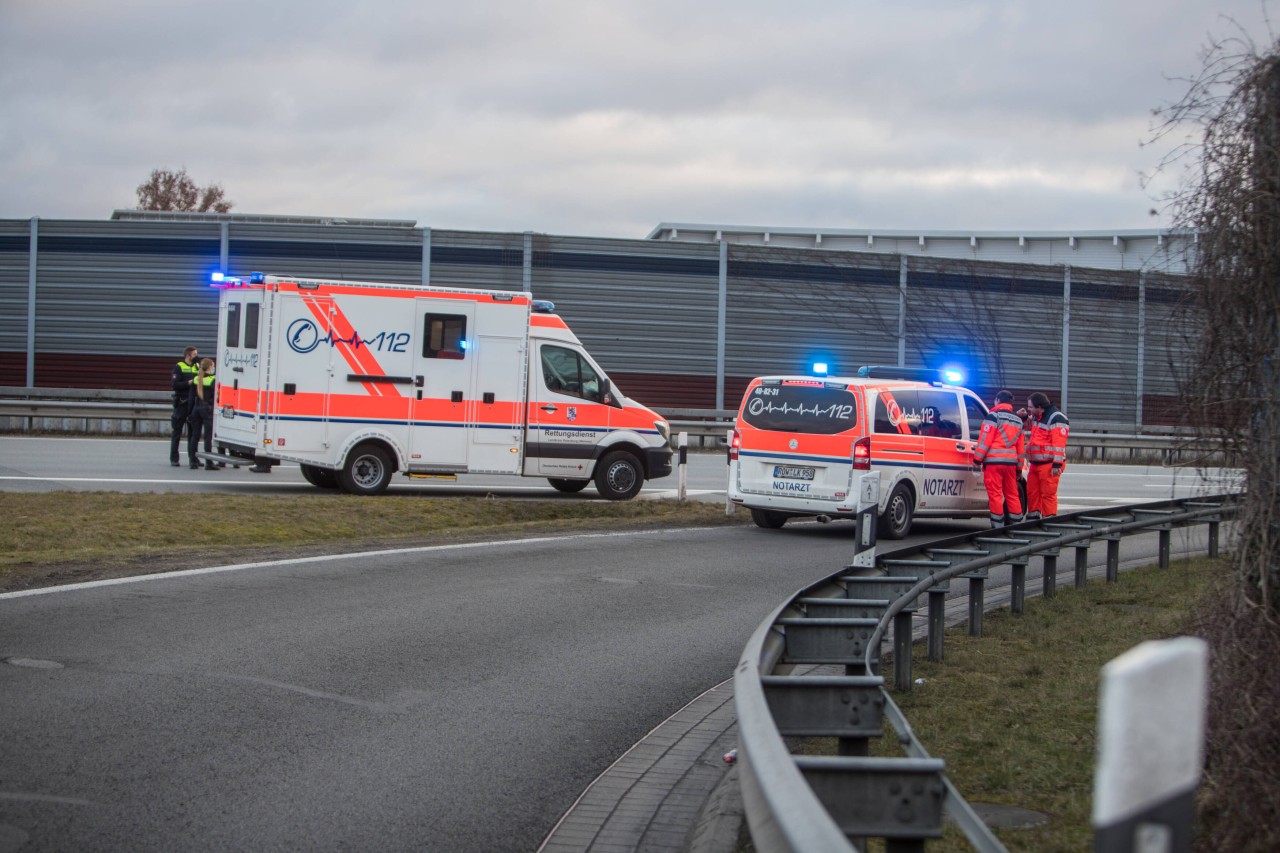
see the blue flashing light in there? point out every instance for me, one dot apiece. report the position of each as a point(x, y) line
point(953, 375)
point(819, 368)
point(464, 345)
point(218, 276)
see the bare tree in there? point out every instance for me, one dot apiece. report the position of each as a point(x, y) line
point(1232, 201)
point(168, 190)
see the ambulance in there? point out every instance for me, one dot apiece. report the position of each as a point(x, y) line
point(356, 381)
point(801, 445)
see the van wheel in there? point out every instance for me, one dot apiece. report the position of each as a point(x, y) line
point(895, 521)
point(321, 478)
point(619, 476)
point(567, 486)
point(366, 472)
point(768, 518)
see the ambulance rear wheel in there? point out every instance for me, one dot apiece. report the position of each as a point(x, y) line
point(619, 476)
point(321, 478)
point(768, 518)
point(367, 471)
point(895, 521)
point(567, 486)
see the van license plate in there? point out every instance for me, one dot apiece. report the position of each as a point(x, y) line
point(790, 472)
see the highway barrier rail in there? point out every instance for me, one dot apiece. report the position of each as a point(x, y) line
point(829, 803)
point(115, 412)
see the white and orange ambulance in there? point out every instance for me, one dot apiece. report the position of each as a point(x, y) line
point(802, 443)
point(356, 381)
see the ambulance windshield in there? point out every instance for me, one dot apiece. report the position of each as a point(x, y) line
point(796, 406)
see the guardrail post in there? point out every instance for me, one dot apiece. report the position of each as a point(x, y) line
point(937, 623)
point(1113, 559)
point(1213, 538)
point(1018, 595)
point(1049, 577)
point(1164, 547)
point(1082, 564)
point(977, 584)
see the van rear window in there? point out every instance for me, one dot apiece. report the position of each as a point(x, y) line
point(812, 408)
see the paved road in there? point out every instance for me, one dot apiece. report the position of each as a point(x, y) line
point(454, 698)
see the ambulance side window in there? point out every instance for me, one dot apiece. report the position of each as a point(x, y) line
point(977, 412)
point(567, 372)
point(233, 324)
point(939, 414)
point(897, 412)
point(444, 336)
point(252, 310)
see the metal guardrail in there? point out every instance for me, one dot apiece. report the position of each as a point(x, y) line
point(801, 803)
point(147, 413)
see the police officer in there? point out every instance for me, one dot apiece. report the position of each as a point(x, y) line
point(1047, 453)
point(203, 391)
point(181, 377)
point(1000, 452)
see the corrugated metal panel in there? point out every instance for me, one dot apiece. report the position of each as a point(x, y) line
point(480, 260)
point(15, 244)
point(789, 309)
point(124, 289)
point(1103, 377)
point(1172, 329)
point(635, 305)
point(1003, 322)
point(326, 251)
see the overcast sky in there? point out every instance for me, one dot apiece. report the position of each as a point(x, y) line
point(602, 118)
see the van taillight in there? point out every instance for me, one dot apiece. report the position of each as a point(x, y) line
point(862, 454)
point(735, 444)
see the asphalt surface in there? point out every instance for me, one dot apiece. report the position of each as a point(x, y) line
point(455, 698)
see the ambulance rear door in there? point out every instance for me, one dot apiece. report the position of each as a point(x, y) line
point(240, 364)
point(301, 373)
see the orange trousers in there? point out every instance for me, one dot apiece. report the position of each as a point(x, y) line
point(1042, 491)
point(1002, 491)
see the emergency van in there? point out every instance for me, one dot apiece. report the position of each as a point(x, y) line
point(356, 381)
point(801, 445)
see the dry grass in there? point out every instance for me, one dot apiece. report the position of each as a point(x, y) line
point(63, 537)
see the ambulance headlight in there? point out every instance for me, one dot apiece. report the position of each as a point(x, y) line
point(664, 430)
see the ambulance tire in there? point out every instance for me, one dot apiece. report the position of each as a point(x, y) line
point(767, 518)
point(321, 478)
point(367, 471)
point(567, 486)
point(619, 476)
point(895, 521)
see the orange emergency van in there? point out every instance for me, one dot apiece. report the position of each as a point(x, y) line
point(802, 443)
point(356, 381)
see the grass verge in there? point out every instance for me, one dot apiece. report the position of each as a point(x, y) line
point(66, 537)
point(1014, 712)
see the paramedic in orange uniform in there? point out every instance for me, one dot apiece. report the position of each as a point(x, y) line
point(1000, 453)
point(1047, 453)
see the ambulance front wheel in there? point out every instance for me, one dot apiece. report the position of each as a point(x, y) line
point(895, 521)
point(619, 476)
point(567, 486)
point(367, 471)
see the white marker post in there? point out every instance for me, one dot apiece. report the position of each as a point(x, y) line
point(728, 460)
point(864, 547)
point(1151, 719)
point(683, 443)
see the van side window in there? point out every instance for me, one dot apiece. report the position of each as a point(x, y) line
point(444, 336)
point(977, 412)
point(252, 310)
point(567, 372)
point(939, 414)
point(897, 412)
point(233, 324)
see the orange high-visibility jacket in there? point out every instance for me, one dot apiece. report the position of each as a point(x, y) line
point(1001, 441)
point(1048, 441)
